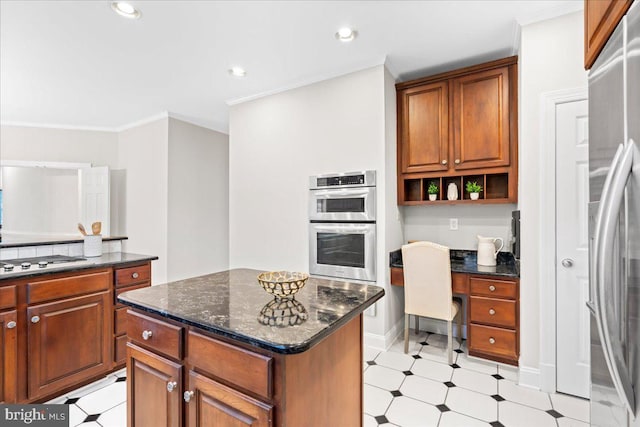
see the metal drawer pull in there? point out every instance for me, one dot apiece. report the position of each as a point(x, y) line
point(457, 161)
point(187, 396)
point(171, 385)
point(135, 275)
point(492, 288)
point(146, 335)
point(35, 319)
point(11, 324)
point(444, 162)
point(492, 311)
point(492, 341)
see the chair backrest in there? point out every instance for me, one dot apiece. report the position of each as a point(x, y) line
point(427, 280)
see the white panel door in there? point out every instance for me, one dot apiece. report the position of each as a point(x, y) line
point(572, 248)
point(94, 197)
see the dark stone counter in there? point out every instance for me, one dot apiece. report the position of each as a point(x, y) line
point(8, 240)
point(233, 304)
point(120, 259)
point(466, 261)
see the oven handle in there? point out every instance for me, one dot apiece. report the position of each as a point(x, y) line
point(351, 228)
point(341, 194)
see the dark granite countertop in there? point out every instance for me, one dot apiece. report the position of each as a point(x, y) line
point(7, 240)
point(233, 304)
point(466, 261)
point(111, 259)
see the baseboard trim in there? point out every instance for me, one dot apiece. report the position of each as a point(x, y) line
point(529, 377)
point(383, 342)
point(548, 377)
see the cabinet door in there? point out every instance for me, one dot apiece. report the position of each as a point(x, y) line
point(211, 404)
point(68, 341)
point(154, 389)
point(424, 128)
point(600, 19)
point(8, 356)
point(481, 120)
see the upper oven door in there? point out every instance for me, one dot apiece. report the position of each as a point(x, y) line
point(343, 204)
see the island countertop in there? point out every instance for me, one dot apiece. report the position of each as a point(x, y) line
point(234, 305)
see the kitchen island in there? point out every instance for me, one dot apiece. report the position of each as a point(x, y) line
point(218, 350)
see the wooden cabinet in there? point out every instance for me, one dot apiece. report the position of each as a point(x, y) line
point(600, 19)
point(154, 389)
point(459, 127)
point(8, 356)
point(69, 339)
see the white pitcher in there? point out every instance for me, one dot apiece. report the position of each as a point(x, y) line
point(487, 252)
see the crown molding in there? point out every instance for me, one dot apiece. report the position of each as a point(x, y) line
point(57, 126)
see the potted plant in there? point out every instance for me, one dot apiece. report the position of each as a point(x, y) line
point(474, 189)
point(433, 191)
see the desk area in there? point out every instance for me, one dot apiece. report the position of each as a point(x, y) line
point(492, 307)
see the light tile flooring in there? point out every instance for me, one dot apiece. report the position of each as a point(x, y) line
point(415, 389)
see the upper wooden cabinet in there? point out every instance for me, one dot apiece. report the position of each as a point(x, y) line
point(457, 127)
point(600, 19)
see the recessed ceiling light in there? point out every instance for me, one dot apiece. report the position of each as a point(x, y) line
point(346, 34)
point(125, 9)
point(237, 72)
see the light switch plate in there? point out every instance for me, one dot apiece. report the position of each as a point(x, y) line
point(453, 223)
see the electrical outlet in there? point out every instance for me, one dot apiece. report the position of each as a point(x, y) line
point(453, 223)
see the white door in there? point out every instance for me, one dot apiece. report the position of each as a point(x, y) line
point(572, 250)
point(94, 197)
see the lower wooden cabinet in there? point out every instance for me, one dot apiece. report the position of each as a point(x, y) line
point(8, 356)
point(154, 389)
point(68, 341)
point(211, 404)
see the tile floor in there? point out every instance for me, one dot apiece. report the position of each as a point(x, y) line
point(415, 389)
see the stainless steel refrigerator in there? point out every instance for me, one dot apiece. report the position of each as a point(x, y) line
point(614, 212)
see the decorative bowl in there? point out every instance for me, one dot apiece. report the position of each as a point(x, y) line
point(282, 284)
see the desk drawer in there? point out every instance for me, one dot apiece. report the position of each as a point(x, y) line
point(132, 275)
point(493, 341)
point(7, 297)
point(397, 276)
point(460, 283)
point(160, 336)
point(491, 311)
point(493, 288)
point(246, 369)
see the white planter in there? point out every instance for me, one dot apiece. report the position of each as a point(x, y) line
point(474, 196)
point(433, 197)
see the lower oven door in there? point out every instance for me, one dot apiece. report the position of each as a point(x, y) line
point(343, 250)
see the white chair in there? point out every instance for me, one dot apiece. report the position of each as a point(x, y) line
point(427, 288)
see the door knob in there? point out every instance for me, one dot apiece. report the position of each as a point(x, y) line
point(444, 162)
point(457, 161)
point(492, 288)
point(187, 396)
point(135, 275)
point(35, 319)
point(492, 340)
point(492, 311)
point(11, 324)
point(171, 385)
point(567, 262)
point(146, 335)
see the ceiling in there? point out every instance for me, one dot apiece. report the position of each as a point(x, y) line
point(78, 64)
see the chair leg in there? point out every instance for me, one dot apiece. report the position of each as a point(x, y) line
point(460, 328)
point(417, 323)
point(450, 341)
point(406, 333)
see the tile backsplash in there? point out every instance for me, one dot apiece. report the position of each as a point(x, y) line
point(70, 249)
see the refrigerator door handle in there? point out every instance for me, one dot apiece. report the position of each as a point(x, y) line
point(604, 245)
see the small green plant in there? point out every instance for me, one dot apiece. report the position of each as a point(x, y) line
point(433, 188)
point(473, 187)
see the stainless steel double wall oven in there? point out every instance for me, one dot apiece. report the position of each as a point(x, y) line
point(342, 225)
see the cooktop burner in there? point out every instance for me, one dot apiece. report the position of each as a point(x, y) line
point(21, 264)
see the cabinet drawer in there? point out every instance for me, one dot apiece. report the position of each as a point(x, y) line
point(69, 286)
point(127, 289)
point(160, 336)
point(120, 349)
point(248, 370)
point(397, 276)
point(493, 311)
point(132, 275)
point(497, 341)
point(120, 321)
point(7, 297)
point(493, 288)
point(459, 283)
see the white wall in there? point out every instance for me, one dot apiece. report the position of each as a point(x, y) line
point(551, 58)
point(198, 203)
point(143, 153)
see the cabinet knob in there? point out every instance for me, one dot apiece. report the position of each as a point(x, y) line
point(11, 324)
point(444, 162)
point(135, 275)
point(146, 335)
point(171, 385)
point(492, 341)
point(492, 288)
point(492, 311)
point(35, 319)
point(457, 161)
point(187, 396)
